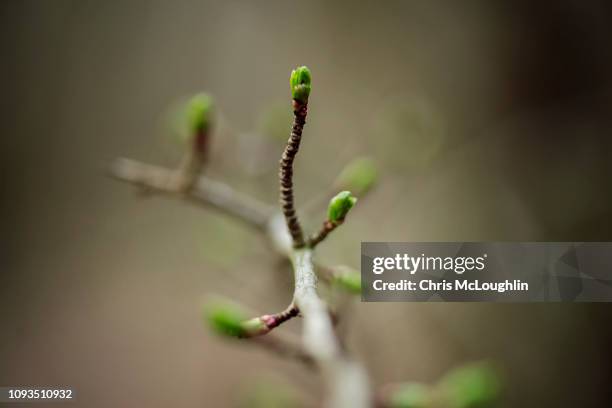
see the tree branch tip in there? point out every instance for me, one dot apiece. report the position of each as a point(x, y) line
point(301, 84)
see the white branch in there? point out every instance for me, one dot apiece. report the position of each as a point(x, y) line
point(347, 380)
point(205, 191)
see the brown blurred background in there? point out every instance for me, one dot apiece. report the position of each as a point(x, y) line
point(490, 120)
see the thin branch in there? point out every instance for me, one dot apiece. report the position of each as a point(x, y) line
point(277, 319)
point(326, 228)
point(194, 161)
point(347, 381)
point(205, 191)
point(258, 326)
point(286, 173)
point(188, 172)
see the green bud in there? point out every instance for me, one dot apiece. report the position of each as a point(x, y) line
point(300, 82)
point(358, 176)
point(199, 113)
point(472, 386)
point(347, 279)
point(226, 319)
point(254, 327)
point(340, 205)
point(412, 395)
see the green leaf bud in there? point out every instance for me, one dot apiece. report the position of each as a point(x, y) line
point(358, 176)
point(340, 205)
point(413, 395)
point(199, 113)
point(347, 279)
point(300, 82)
point(226, 319)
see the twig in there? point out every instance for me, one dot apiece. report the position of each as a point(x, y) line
point(205, 191)
point(327, 227)
point(258, 326)
point(300, 110)
point(277, 319)
point(346, 380)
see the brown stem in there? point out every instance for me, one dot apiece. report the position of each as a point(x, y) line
point(328, 226)
point(277, 319)
point(193, 163)
point(286, 174)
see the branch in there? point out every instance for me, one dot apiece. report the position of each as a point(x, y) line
point(286, 173)
point(327, 227)
point(261, 325)
point(199, 117)
point(347, 380)
point(205, 191)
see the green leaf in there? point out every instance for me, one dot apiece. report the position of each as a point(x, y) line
point(300, 82)
point(340, 205)
point(358, 176)
point(199, 113)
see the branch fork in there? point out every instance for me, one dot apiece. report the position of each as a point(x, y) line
point(347, 381)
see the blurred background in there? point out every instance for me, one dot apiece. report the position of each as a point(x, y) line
point(489, 120)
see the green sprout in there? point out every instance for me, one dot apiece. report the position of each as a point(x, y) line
point(339, 206)
point(358, 176)
point(300, 82)
point(199, 113)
